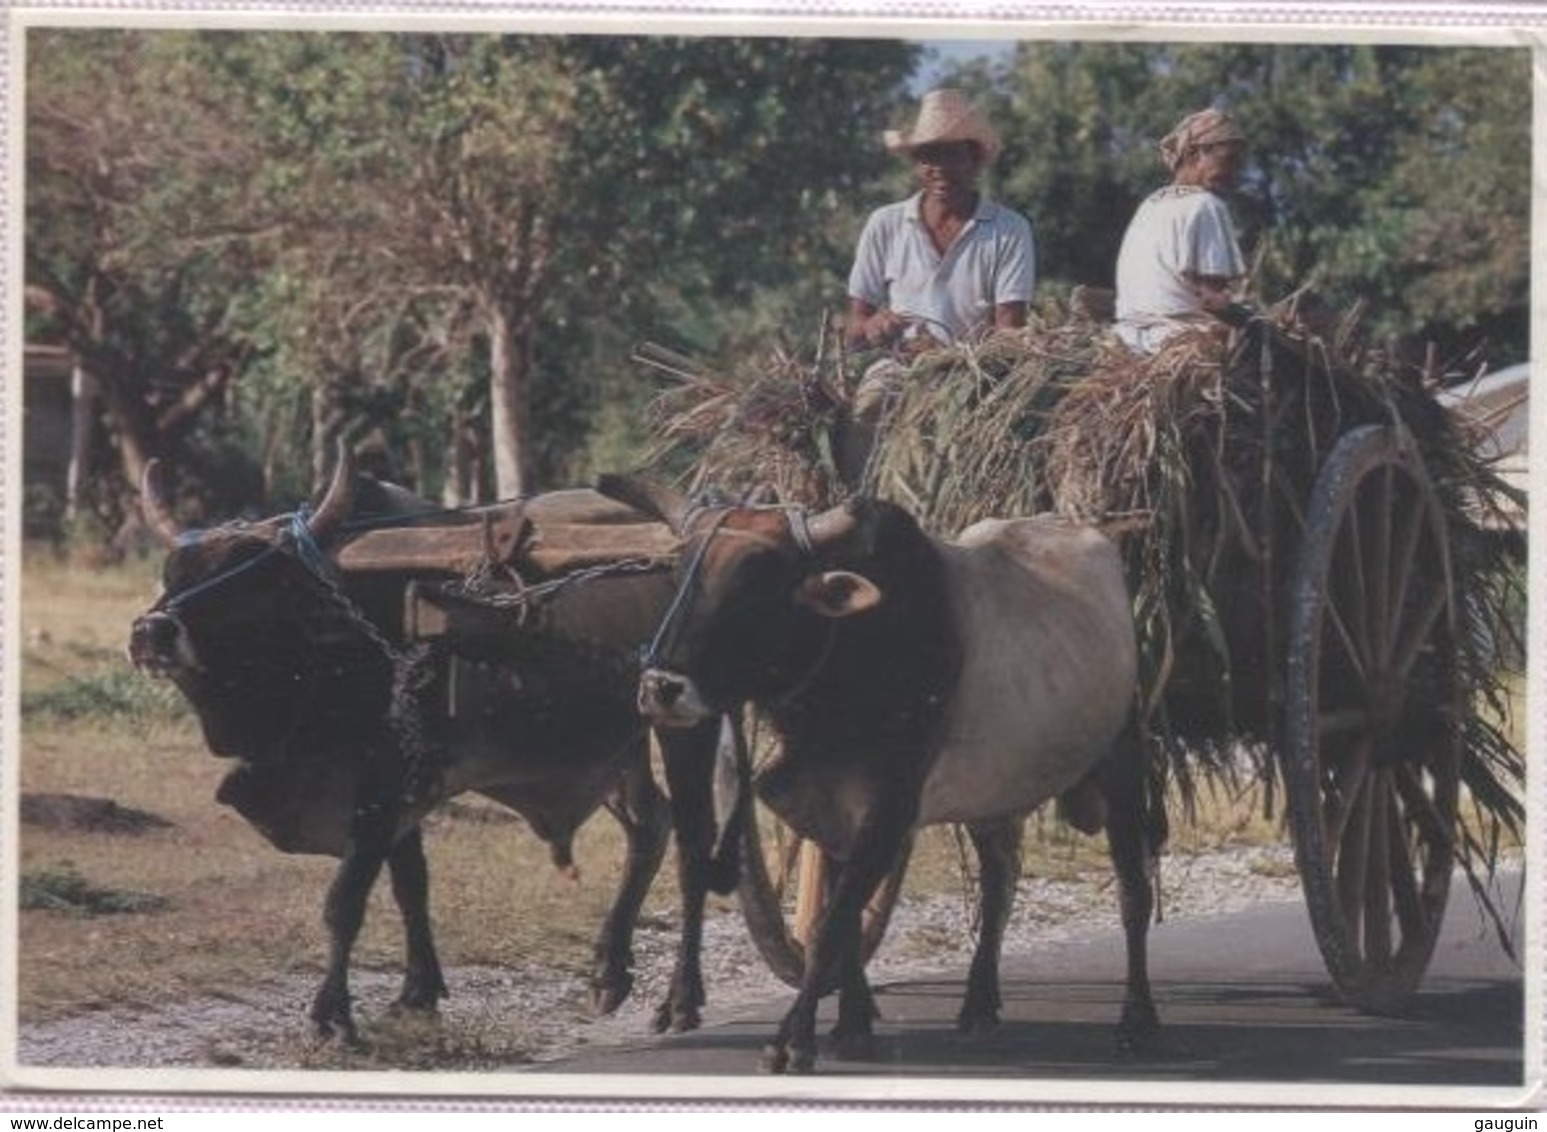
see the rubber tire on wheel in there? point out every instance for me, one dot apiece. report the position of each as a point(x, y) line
point(763, 900)
point(1370, 755)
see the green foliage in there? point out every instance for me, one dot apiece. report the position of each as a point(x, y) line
point(61, 888)
point(575, 194)
point(103, 695)
point(1340, 192)
point(260, 240)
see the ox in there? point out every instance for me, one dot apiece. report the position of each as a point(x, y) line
point(345, 734)
point(913, 682)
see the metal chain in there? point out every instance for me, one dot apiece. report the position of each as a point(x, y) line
point(479, 586)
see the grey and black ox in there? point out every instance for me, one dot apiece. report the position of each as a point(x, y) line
point(345, 732)
point(912, 682)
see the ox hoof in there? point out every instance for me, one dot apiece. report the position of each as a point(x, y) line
point(976, 1025)
point(607, 995)
point(671, 1018)
point(338, 1032)
point(784, 1059)
point(1138, 1034)
point(421, 997)
point(333, 1021)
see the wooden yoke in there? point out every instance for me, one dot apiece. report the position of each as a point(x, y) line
point(545, 536)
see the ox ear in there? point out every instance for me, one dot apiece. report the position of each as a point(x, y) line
point(839, 593)
point(655, 499)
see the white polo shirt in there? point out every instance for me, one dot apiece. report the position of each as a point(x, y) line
point(1178, 229)
point(896, 266)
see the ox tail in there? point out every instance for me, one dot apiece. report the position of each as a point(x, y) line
point(1154, 786)
point(732, 804)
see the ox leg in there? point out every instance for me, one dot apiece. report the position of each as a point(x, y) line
point(370, 843)
point(641, 810)
point(689, 762)
point(836, 944)
point(1130, 843)
point(423, 984)
point(343, 915)
point(999, 868)
point(853, 1037)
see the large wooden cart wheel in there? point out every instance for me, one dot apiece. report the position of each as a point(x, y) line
point(1372, 717)
point(782, 891)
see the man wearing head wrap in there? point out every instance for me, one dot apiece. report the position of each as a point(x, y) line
point(943, 265)
point(1180, 261)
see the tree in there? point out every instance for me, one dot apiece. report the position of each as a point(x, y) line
point(121, 156)
point(536, 181)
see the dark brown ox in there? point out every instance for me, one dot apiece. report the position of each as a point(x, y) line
point(345, 734)
point(913, 682)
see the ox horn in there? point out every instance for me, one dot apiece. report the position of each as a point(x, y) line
point(335, 505)
point(154, 506)
point(832, 525)
point(656, 499)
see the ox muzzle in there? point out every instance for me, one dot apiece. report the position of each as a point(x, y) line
point(670, 699)
point(159, 646)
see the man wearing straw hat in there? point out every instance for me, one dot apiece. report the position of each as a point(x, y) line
point(1180, 261)
point(941, 266)
point(947, 262)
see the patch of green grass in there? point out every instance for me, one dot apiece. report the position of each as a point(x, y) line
point(104, 694)
point(60, 888)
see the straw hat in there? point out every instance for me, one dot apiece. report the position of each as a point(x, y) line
point(945, 116)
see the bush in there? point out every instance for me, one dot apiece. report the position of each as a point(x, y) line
point(112, 693)
point(60, 888)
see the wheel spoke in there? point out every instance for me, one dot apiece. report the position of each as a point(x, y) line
point(1354, 581)
point(1350, 646)
point(1405, 559)
point(788, 850)
point(1377, 891)
point(1377, 595)
point(1350, 783)
point(1416, 633)
point(1433, 826)
point(1404, 884)
point(1353, 858)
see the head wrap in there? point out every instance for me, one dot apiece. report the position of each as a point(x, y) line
point(1206, 127)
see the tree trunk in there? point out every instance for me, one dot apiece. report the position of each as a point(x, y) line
point(463, 484)
point(83, 409)
point(510, 400)
point(137, 439)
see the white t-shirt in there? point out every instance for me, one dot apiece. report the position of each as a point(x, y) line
point(1177, 230)
point(896, 266)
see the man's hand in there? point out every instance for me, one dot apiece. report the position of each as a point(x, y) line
point(1215, 292)
point(883, 328)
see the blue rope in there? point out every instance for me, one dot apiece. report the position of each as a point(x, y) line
point(311, 554)
point(307, 549)
point(182, 599)
point(679, 599)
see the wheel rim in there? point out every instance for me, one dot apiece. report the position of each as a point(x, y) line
point(1372, 718)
